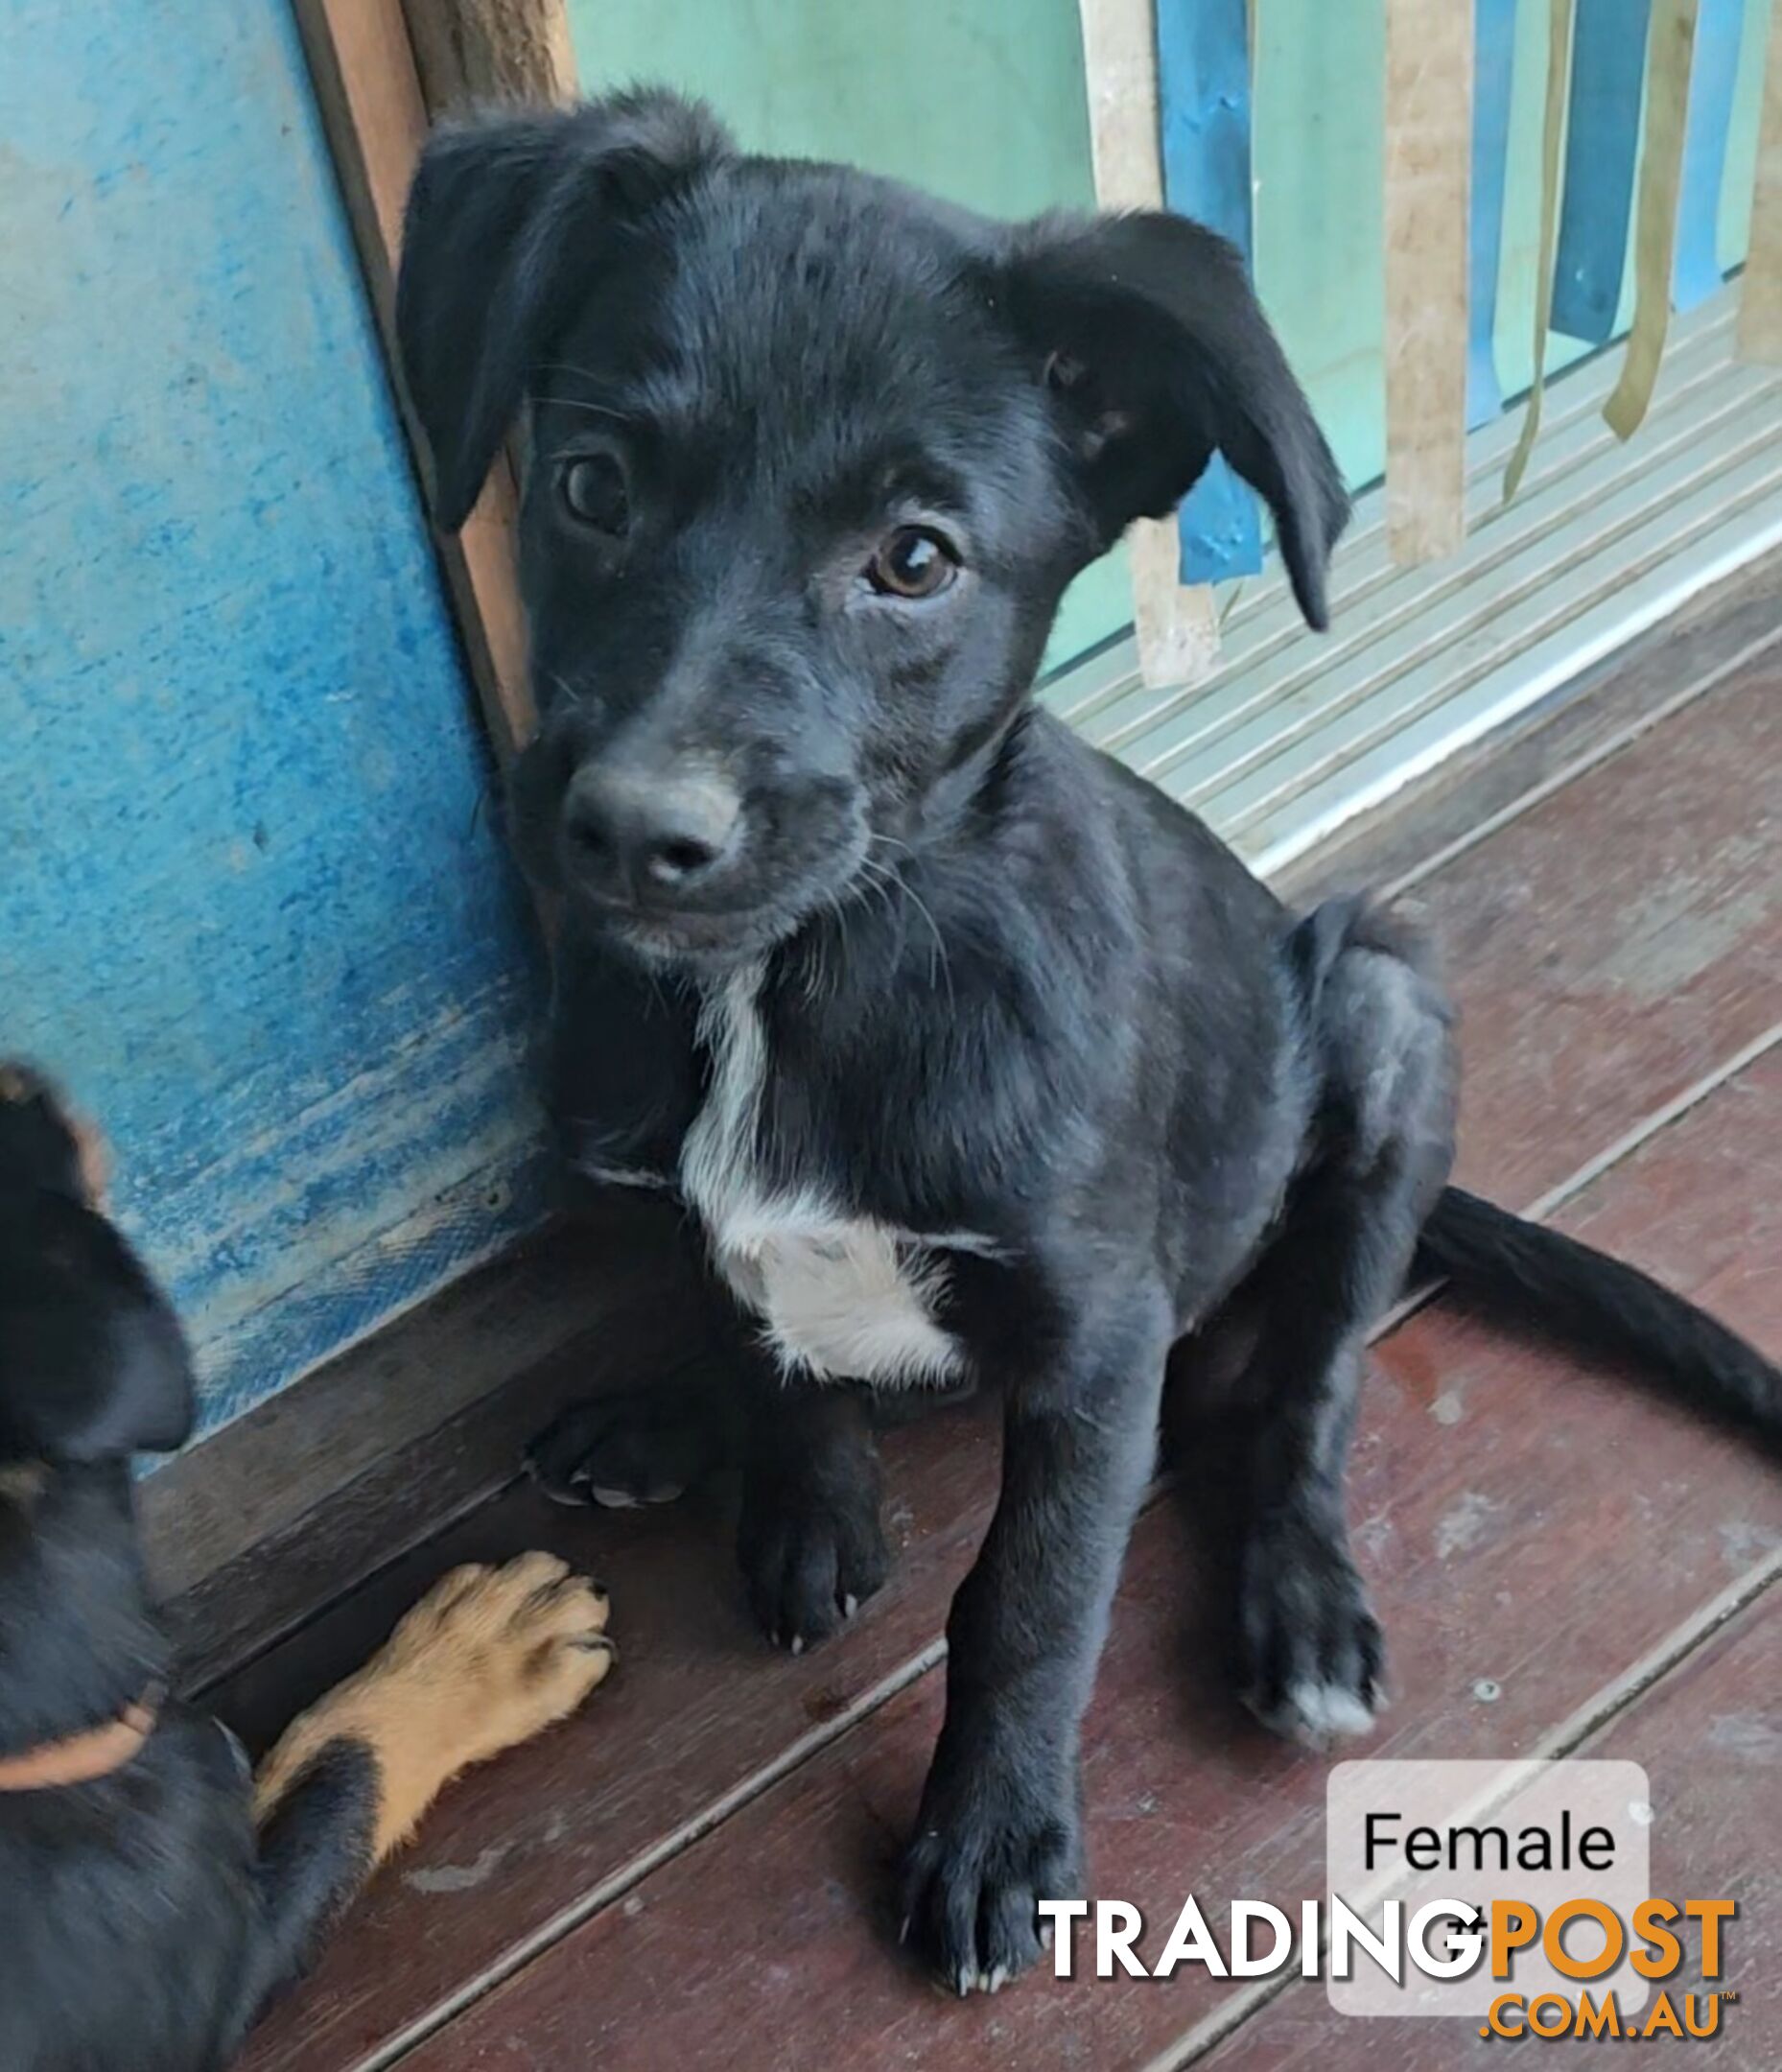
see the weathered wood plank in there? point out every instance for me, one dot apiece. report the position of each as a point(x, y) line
point(1601, 714)
point(330, 1480)
point(1628, 933)
point(1429, 59)
point(1710, 1738)
point(1488, 1481)
point(700, 1706)
point(1177, 628)
point(564, 1820)
point(1760, 293)
point(471, 51)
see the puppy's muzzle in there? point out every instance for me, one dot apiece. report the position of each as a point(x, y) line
point(649, 839)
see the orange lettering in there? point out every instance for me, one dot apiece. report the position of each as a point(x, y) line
point(1710, 1912)
point(1514, 1926)
point(1663, 1952)
point(1614, 1939)
point(1558, 2018)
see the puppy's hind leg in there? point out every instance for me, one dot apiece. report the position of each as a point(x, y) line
point(1309, 1643)
point(489, 1657)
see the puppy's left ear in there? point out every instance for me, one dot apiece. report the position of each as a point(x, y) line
point(514, 220)
point(1149, 336)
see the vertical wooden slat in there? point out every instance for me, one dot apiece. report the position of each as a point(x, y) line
point(1429, 54)
point(492, 50)
point(1494, 45)
point(1202, 67)
point(1177, 628)
point(1669, 53)
point(1760, 303)
point(375, 111)
point(1602, 149)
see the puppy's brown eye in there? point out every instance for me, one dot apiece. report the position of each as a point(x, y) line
point(594, 488)
point(913, 562)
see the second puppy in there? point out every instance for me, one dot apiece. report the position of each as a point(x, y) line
point(152, 1897)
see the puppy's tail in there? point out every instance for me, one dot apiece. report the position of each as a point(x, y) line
point(1531, 1278)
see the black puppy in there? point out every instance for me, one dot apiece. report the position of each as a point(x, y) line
point(972, 1054)
point(143, 1919)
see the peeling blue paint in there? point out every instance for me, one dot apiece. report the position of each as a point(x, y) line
point(252, 902)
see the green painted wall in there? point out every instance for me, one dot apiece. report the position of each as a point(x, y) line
point(983, 100)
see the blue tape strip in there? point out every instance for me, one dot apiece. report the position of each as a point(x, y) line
point(1602, 149)
point(1712, 74)
point(1203, 66)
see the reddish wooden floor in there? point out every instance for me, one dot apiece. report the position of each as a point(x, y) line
point(694, 1872)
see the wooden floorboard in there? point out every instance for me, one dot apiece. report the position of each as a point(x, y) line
point(1623, 939)
point(1531, 1530)
point(699, 1708)
point(1599, 715)
point(249, 1533)
point(1614, 948)
point(1709, 1736)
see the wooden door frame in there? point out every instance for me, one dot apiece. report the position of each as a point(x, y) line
point(382, 69)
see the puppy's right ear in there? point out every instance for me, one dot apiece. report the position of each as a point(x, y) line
point(93, 1364)
point(509, 217)
point(1148, 334)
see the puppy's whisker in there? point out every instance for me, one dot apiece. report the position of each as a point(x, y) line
point(879, 882)
point(940, 962)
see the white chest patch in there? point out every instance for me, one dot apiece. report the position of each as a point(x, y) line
point(840, 1297)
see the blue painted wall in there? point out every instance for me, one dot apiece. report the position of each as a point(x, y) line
point(252, 900)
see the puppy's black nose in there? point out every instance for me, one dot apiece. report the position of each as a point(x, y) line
point(643, 835)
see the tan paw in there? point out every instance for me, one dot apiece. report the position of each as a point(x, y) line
point(512, 1650)
point(487, 1658)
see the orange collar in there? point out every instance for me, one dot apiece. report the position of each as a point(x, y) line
point(82, 1757)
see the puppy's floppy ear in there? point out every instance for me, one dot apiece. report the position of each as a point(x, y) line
point(1158, 354)
point(93, 1365)
point(92, 1362)
point(508, 219)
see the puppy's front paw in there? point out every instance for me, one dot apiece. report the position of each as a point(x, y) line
point(981, 1861)
point(811, 1557)
point(643, 1447)
point(486, 1659)
point(510, 1649)
point(1313, 1655)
